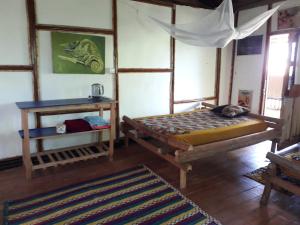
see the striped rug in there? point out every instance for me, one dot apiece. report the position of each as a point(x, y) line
point(132, 196)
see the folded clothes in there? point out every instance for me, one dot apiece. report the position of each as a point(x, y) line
point(97, 122)
point(101, 127)
point(77, 125)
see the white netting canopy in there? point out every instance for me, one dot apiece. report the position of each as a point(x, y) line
point(216, 29)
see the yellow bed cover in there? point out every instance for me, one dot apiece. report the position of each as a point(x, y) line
point(203, 126)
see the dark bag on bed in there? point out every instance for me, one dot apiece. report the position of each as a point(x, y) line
point(230, 111)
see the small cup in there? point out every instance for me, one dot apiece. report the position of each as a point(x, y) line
point(60, 128)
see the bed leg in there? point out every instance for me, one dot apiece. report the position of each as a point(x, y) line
point(126, 141)
point(182, 179)
point(271, 172)
point(266, 194)
point(274, 146)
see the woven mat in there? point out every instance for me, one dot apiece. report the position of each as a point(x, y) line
point(132, 196)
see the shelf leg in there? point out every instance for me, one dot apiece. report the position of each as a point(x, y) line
point(112, 131)
point(183, 179)
point(26, 145)
point(126, 141)
point(100, 138)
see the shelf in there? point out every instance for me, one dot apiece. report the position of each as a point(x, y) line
point(48, 132)
point(53, 158)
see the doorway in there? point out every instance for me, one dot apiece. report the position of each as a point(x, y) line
point(279, 53)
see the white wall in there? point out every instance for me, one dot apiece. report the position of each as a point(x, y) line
point(14, 35)
point(85, 13)
point(248, 68)
point(144, 94)
point(141, 45)
point(14, 87)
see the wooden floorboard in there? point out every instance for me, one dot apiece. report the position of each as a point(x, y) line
point(216, 184)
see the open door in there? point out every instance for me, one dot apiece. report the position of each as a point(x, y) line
point(291, 105)
point(282, 70)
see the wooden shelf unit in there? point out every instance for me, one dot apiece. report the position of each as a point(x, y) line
point(56, 157)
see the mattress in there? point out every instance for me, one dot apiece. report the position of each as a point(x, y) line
point(202, 126)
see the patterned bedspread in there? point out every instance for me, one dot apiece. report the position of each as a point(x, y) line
point(183, 123)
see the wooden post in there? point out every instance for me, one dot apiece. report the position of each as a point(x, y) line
point(233, 55)
point(218, 74)
point(183, 179)
point(26, 144)
point(112, 130)
point(116, 65)
point(33, 53)
point(172, 63)
point(264, 76)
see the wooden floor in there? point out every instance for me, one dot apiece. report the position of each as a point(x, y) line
point(216, 184)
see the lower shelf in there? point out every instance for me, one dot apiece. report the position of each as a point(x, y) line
point(53, 158)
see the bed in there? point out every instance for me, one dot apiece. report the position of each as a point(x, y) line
point(184, 137)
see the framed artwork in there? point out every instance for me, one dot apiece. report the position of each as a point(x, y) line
point(245, 98)
point(289, 18)
point(251, 45)
point(77, 53)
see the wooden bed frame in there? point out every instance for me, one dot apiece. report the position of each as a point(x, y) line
point(180, 153)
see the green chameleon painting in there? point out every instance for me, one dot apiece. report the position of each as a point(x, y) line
point(78, 49)
point(84, 52)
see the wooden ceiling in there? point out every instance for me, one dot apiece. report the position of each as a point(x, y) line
point(211, 4)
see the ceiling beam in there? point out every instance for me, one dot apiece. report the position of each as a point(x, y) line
point(206, 4)
point(167, 3)
point(211, 4)
point(248, 4)
point(192, 3)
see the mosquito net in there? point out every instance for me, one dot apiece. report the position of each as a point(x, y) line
point(216, 28)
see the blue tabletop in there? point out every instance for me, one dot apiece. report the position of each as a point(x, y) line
point(62, 102)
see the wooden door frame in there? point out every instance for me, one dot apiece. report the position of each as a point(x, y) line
point(285, 85)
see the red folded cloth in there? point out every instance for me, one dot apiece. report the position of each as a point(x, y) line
point(78, 125)
point(101, 127)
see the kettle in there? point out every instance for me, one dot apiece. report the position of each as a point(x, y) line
point(97, 90)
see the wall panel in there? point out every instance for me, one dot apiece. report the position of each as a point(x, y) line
point(13, 35)
point(144, 94)
point(14, 87)
point(85, 13)
point(194, 66)
point(142, 44)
